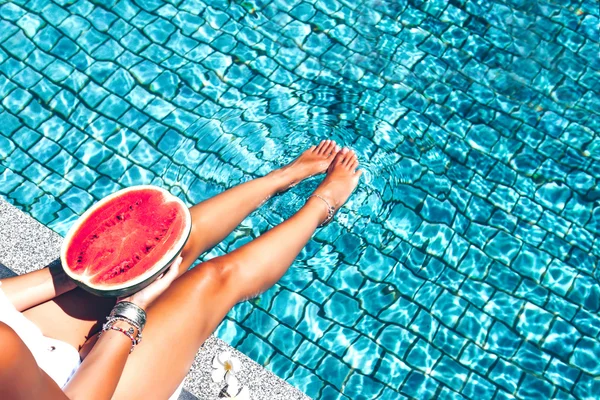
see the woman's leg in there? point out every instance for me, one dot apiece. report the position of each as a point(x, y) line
point(218, 216)
point(74, 316)
point(188, 312)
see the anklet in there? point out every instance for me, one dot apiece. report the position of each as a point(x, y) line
point(330, 210)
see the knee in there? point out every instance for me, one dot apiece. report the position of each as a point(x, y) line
point(217, 272)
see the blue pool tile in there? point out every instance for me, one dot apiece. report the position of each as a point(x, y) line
point(136, 176)
point(532, 292)
point(587, 387)
point(230, 332)
point(9, 180)
point(402, 312)
point(392, 370)
point(584, 356)
point(318, 292)
point(533, 323)
point(475, 263)
point(103, 187)
point(427, 294)
point(448, 308)
point(77, 200)
point(44, 150)
point(260, 323)
point(338, 339)
point(281, 366)
point(363, 355)
point(256, 348)
point(24, 138)
point(396, 339)
point(504, 307)
point(306, 381)
point(36, 172)
point(561, 374)
point(502, 277)
point(55, 185)
point(531, 358)
point(367, 388)
point(535, 388)
point(62, 163)
point(506, 375)
point(63, 223)
point(289, 306)
point(477, 359)
point(450, 373)
point(311, 356)
point(26, 193)
point(531, 262)
point(373, 264)
point(81, 176)
point(502, 340)
point(375, 296)
point(478, 387)
point(419, 386)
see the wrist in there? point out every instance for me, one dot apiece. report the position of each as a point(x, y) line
point(126, 326)
point(132, 299)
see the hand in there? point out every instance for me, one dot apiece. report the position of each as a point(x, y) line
point(147, 295)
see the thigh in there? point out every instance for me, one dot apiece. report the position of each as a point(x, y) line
point(20, 376)
point(178, 323)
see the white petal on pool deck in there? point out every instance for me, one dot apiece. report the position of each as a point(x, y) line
point(27, 245)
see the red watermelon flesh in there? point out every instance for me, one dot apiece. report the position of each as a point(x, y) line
point(125, 237)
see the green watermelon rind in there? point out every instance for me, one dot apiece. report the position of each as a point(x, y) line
point(127, 288)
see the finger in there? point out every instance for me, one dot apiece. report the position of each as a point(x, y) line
point(172, 272)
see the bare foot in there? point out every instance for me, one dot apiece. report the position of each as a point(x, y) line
point(341, 180)
point(315, 160)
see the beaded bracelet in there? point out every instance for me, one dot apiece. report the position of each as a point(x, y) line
point(138, 338)
point(109, 325)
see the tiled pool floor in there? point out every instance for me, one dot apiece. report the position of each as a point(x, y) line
point(465, 265)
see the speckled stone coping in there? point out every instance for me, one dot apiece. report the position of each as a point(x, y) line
point(27, 245)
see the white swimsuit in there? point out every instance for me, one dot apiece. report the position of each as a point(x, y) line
point(58, 359)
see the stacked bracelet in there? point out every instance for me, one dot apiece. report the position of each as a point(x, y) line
point(130, 313)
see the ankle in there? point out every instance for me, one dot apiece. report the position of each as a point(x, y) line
point(326, 205)
point(282, 179)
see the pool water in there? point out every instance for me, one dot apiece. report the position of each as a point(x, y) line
point(466, 263)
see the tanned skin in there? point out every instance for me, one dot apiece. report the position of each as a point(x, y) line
point(183, 308)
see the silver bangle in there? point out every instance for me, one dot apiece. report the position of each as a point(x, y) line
point(131, 312)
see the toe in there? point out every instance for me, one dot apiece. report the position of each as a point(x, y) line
point(320, 146)
point(349, 158)
point(335, 151)
point(339, 158)
point(329, 148)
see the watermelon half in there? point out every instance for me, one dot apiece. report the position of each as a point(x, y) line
point(126, 240)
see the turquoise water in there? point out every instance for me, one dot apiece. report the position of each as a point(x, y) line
point(465, 265)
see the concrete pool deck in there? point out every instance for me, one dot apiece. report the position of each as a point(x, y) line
point(26, 245)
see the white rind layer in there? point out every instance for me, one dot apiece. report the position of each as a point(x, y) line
point(168, 257)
